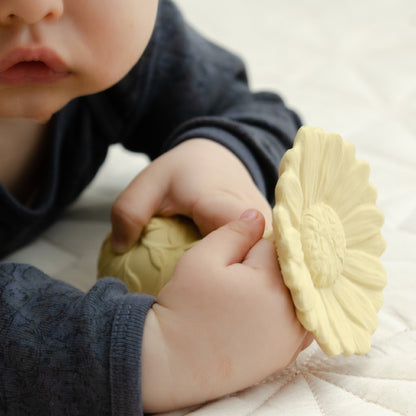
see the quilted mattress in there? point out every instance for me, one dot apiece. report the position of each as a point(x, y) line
point(348, 67)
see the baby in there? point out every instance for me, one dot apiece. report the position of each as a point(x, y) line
point(75, 77)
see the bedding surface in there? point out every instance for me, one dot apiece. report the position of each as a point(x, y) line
point(347, 67)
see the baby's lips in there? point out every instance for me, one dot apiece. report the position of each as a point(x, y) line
point(32, 64)
point(45, 55)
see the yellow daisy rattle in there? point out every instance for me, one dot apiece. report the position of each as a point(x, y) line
point(326, 229)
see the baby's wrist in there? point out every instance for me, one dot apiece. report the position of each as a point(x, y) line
point(157, 379)
point(167, 362)
point(178, 363)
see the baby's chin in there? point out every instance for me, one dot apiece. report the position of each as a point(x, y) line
point(41, 119)
point(35, 102)
point(40, 113)
point(37, 118)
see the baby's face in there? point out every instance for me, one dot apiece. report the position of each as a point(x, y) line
point(52, 51)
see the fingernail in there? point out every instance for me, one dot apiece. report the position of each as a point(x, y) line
point(118, 246)
point(249, 215)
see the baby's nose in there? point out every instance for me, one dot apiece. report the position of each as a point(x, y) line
point(29, 11)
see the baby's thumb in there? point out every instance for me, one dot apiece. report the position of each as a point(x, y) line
point(133, 209)
point(230, 243)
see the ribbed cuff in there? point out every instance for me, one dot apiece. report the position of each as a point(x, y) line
point(125, 354)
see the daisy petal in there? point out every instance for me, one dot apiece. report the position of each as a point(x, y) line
point(330, 165)
point(292, 199)
point(362, 223)
point(309, 171)
point(356, 304)
point(364, 270)
point(304, 297)
point(316, 321)
point(290, 161)
point(354, 338)
point(340, 325)
point(353, 191)
point(376, 298)
point(345, 160)
point(287, 238)
point(362, 339)
point(374, 245)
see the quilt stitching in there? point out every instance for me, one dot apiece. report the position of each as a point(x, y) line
point(314, 394)
point(359, 397)
point(339, 373)
point(276, 392)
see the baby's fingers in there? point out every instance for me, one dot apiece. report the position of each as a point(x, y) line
point(231, 243)
point(263, 254)
point(134, 208)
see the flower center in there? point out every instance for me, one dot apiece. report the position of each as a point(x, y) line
point(323, 243)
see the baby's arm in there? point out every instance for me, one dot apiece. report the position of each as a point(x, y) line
point(224, 322)
point(63, 351)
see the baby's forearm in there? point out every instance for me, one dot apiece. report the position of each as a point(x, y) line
point(63, 351)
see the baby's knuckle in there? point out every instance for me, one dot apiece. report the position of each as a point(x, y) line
point(123, 211)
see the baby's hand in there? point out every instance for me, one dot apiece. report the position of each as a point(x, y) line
point(224, 321)
point(200, 179)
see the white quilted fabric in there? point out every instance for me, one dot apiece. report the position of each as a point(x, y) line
point(348, 67)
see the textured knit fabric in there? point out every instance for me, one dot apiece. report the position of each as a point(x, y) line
point(66, 352)
point(63, 352)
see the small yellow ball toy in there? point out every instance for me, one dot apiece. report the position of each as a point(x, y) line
point(149, 265)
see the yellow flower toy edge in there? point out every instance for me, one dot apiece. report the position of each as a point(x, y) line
point(326, 228)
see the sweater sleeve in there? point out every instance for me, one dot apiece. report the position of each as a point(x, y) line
point(66, 352)
point(196, 89)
